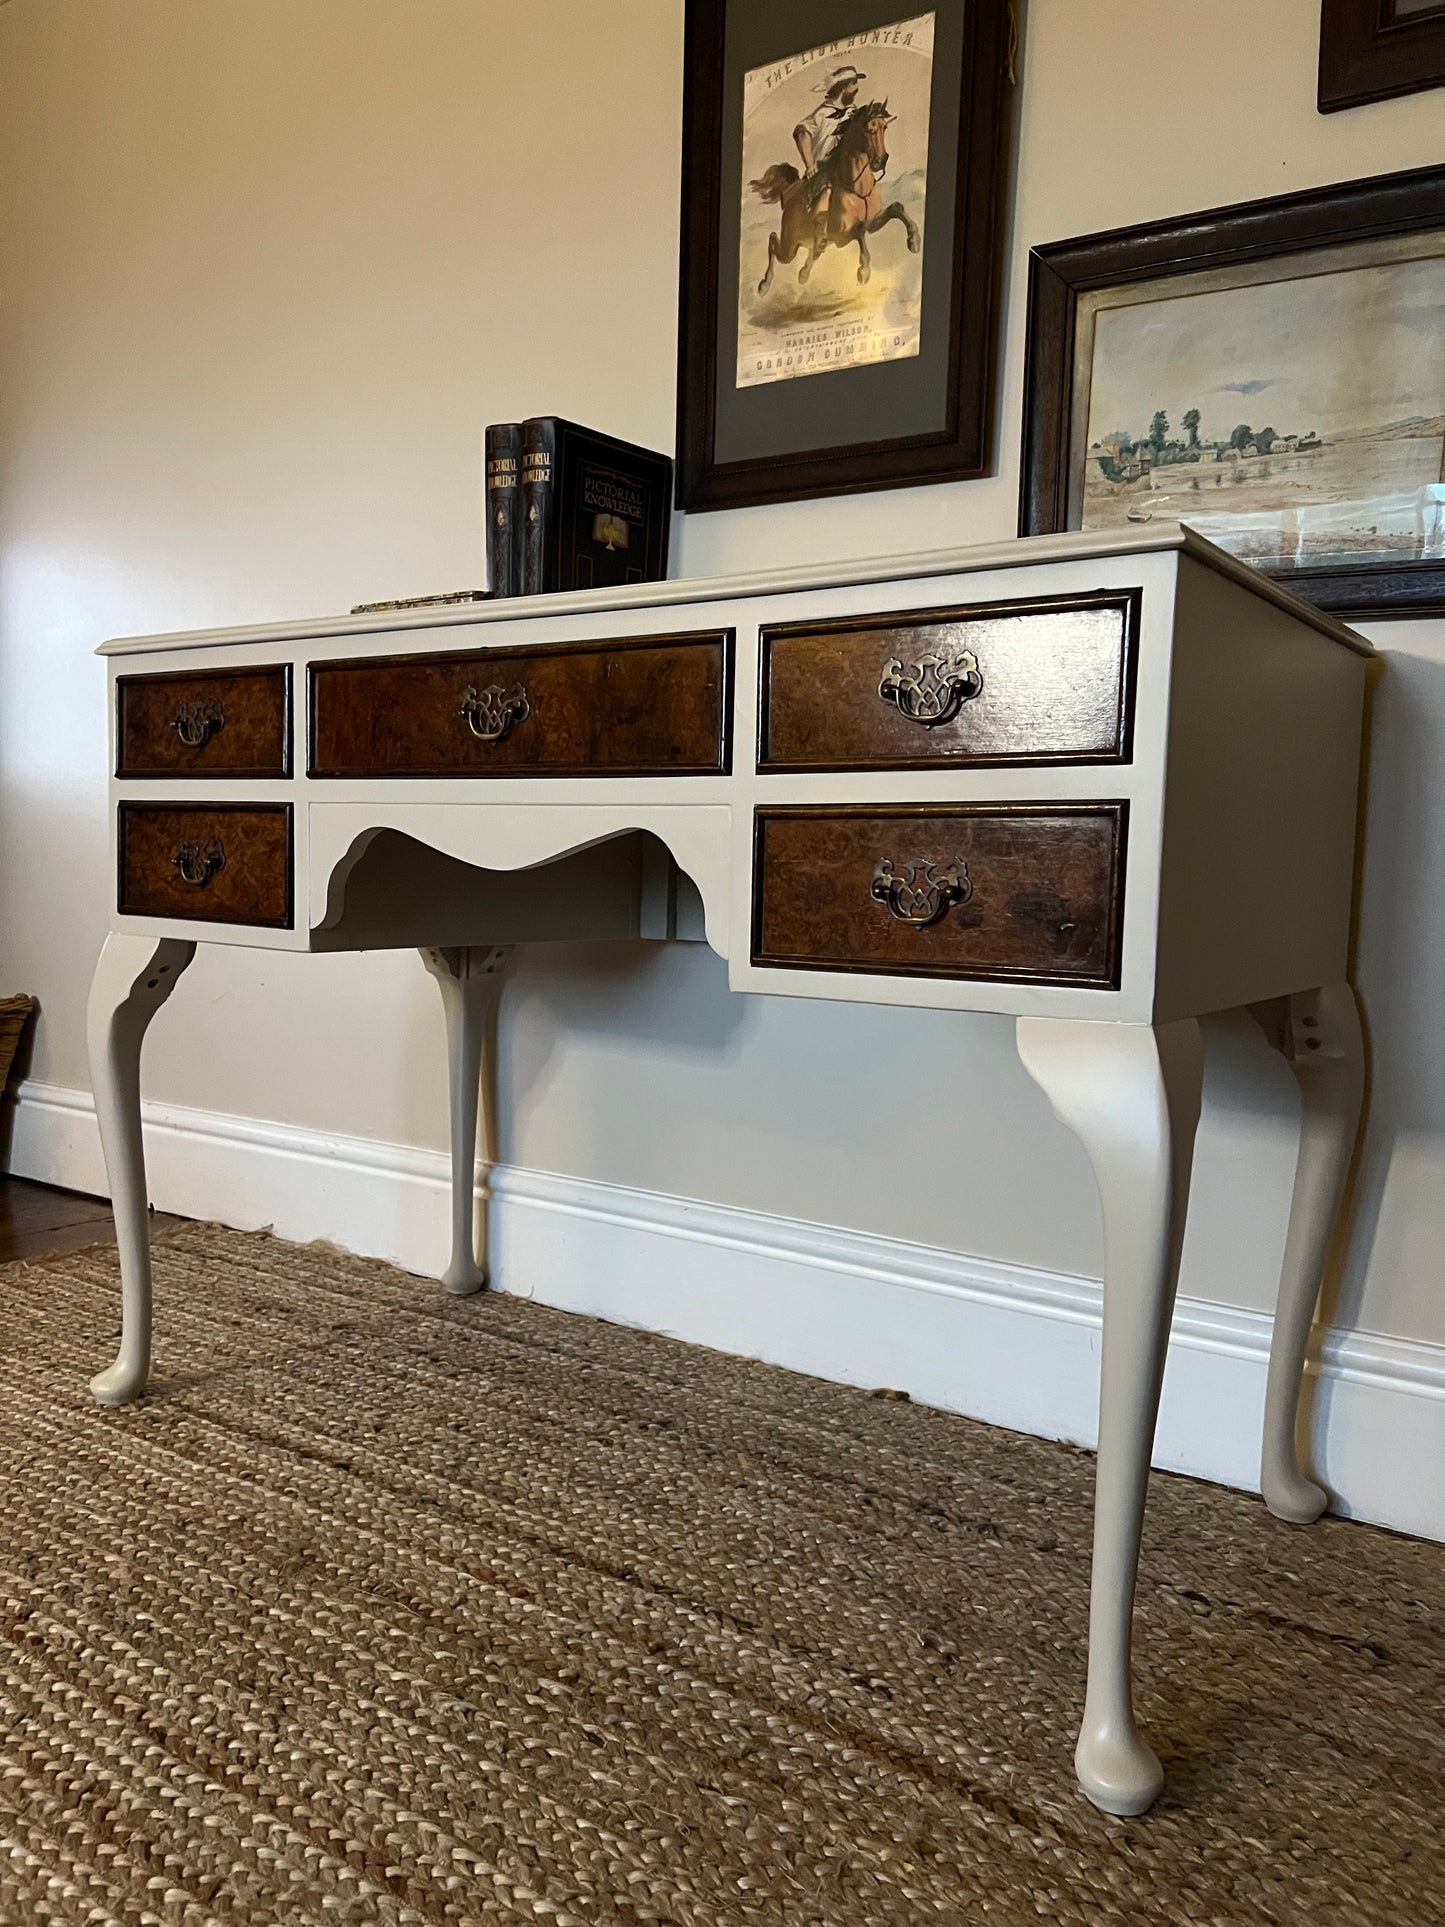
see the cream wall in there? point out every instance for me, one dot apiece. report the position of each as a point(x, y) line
point(266, 270)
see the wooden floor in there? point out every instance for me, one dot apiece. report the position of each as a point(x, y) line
point(37, 1220)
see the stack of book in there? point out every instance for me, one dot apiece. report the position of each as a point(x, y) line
point(568, 508)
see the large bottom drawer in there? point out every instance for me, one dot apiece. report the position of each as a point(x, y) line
point(228, 863)
point(1026, 892)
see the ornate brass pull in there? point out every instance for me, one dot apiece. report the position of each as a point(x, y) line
point(199, 862)
point(490, 714)
point(921, 892)
point(933, 689)
point(197, 722)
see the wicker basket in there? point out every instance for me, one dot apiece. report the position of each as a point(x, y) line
point(15, 1014)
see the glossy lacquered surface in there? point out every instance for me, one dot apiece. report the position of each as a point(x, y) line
point(218, 723)
point(1044, 888)
point(1042, 683)
point(653, 707)
point(227, 863)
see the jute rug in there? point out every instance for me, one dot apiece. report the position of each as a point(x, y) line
point(389, 1607)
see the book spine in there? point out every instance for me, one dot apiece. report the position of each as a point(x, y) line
point(504, 508)
point(539, 492)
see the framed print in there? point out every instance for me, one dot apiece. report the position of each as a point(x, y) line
point(1272, 374)
point(1375, 49)
point(842, 166)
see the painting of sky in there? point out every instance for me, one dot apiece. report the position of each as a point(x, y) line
point(1335, 354)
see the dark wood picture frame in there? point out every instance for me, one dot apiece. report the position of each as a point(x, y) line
point(1252, 231)
point(961, 447)
point(1369, 51)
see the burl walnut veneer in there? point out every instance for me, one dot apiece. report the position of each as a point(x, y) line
point(209, 725)
point(217, 863)
point(640, 708)
point(973, 891)
point(1049, 683)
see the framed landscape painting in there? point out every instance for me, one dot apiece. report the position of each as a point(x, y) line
point(1271, 374)
point(842, 165)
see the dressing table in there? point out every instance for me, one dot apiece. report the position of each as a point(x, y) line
point(1102, 786)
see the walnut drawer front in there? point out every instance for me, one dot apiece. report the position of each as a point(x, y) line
point(229, 863)
point(1041, 682)
point(657, 706)
point(236, 723)
point(1022, 892)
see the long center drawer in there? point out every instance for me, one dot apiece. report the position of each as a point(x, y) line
point(656, 706)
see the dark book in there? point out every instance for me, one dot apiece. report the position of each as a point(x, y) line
point(504, 508)
point(596, 512)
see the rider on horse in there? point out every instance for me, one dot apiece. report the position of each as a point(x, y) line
point(817, 135)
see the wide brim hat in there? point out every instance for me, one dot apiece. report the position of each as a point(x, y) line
point(839, 77)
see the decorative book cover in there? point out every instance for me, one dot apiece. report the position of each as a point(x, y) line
point(504, 508)
point(596, 511)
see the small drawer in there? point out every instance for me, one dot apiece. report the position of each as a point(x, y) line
point(229, 863)
point(1021, 682)
point(656, 706)
point(1018, 892)
point(236, 723)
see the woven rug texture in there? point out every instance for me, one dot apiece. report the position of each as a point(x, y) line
point(391, 1607)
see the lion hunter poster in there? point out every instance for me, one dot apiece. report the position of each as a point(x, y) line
point(842, 170)
point(834, 183)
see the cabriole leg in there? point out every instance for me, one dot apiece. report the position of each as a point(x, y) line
point(133, 978)
point(470, 981)
point(1131, 1095)
point(1324, 1044)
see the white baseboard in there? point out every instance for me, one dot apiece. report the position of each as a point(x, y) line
point(999, 1342)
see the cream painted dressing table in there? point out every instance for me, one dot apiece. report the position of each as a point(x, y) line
point(1103, 787)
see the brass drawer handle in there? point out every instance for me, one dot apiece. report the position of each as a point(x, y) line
point(199, 862)
point(921, 892)
point(197, 722)
point(492, 712)
point(933, 689)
